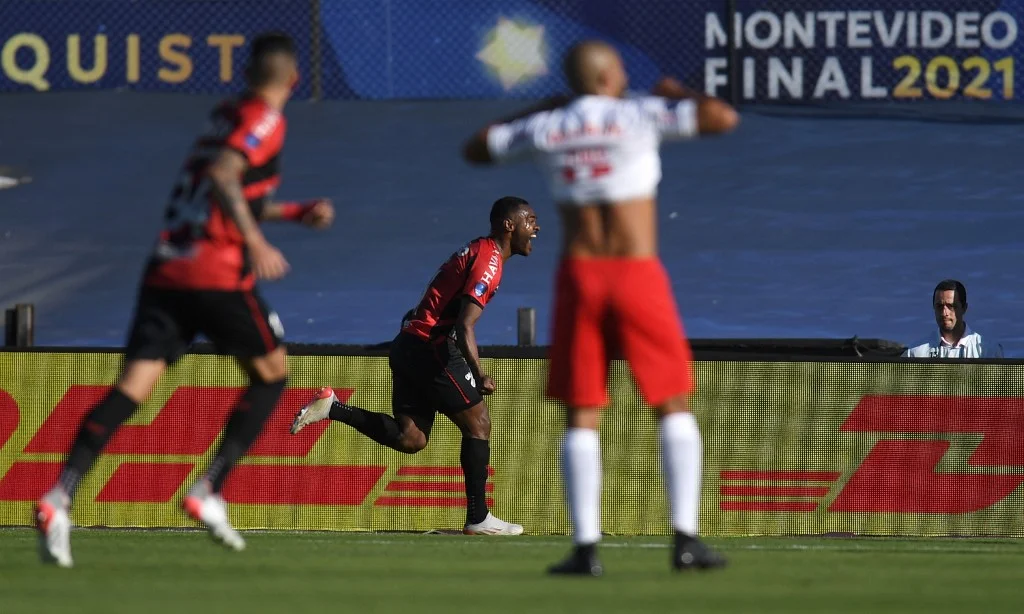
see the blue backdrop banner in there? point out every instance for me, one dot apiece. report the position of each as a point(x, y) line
point(779, 51)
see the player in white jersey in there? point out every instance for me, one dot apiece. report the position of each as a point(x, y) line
point(599, 151)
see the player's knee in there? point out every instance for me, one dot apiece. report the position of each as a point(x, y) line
point(413, 442)
point(480, 428)
point(475, 422)
point(673, 405)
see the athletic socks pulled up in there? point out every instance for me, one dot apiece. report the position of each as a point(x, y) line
point(681, 458)
point(474, 456)
point(244, 426)
point(381, 428)
point(581, 464)
point(94, 433)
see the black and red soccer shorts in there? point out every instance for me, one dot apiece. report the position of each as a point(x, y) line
point(238, 323)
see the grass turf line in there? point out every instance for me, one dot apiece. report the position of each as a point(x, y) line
point(132, 571)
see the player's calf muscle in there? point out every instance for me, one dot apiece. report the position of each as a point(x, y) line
point(139, 378)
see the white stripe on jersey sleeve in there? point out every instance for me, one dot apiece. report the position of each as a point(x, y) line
point(511, 140)
point(674, 120)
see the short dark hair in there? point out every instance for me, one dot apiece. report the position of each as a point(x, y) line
point(959, 291)
point(265, 45)
point(504, 207)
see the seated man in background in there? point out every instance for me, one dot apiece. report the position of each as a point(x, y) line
point(955, 338)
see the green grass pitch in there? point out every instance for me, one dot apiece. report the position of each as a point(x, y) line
point(175, 571)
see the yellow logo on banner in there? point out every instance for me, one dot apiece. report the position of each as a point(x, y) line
point(172, 50)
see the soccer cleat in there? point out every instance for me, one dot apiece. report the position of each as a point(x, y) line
point(316, 410)
point(54, 525)
point(582, 562)
point(492, 525)
point(210, 509)
point(688, 552)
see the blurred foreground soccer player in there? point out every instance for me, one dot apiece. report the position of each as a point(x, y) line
point(435, 366)
point(600, 153)
point(201, 279)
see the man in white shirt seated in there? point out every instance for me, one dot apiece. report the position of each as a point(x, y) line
point(955, 339)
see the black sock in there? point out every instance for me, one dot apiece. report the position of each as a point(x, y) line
point(243, 428)
point(474, 456)
point(93, 434)
point(381, 428)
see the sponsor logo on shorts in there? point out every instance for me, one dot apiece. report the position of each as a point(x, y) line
point(480, 289)
point(276, 325)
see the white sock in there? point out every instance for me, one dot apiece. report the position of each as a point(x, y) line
point(581, 466)
point(681, 459)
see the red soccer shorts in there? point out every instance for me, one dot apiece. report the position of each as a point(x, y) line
point(612, 308)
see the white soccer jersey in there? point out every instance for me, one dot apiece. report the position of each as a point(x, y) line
point(598, 148)
point(969, 346)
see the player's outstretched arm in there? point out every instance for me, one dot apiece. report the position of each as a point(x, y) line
point(475, 151)
point(714, 116)
point(465, 339)
point(317, 213)
point(225, 175)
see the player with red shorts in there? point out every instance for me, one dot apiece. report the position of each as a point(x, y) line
point(599, 150)
point(435, 363)
point(201, 278)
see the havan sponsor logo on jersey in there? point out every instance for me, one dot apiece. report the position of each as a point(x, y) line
point(899, 475)
point(184, 429)
point(492, 268)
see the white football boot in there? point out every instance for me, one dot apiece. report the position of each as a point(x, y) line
point(53, 521)
point(316, 410)
point(492, 525)
point(210, 509)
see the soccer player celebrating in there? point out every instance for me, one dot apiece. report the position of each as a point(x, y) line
point(201, 278)
point(599, 151)
point(435, 364)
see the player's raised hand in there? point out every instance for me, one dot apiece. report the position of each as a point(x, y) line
point(487, 385)
point(267, 261)
point(320, 215)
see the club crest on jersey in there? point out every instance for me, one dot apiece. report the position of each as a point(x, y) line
point(480, 289)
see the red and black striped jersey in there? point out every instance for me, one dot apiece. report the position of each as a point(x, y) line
point(474, 271)
point(200, 247)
